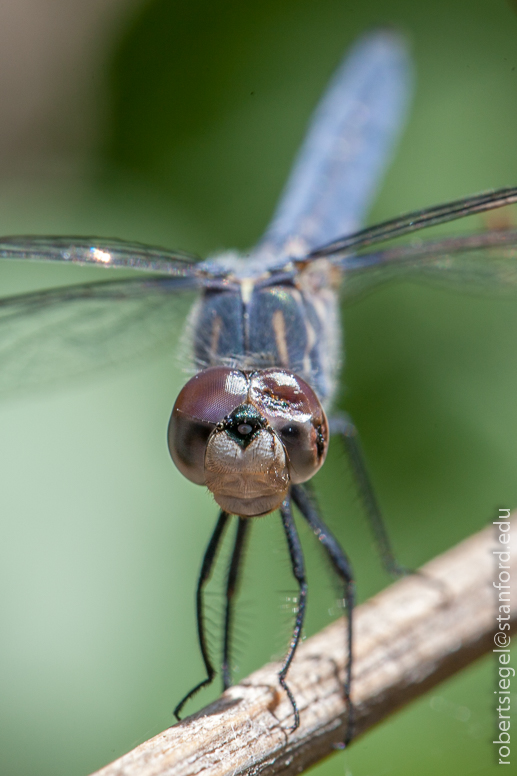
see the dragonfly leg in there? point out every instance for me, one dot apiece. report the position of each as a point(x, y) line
point(343, 425)
point(204, 576)
point(298, 566)
point(231, 589)
point(342, 567)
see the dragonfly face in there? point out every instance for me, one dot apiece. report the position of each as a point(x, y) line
point(247, 436)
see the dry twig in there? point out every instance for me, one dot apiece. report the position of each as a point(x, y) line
point(408, 638)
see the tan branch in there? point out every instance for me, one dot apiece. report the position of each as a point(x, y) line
point(408, 638)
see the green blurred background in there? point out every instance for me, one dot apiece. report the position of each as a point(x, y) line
point(176, 123)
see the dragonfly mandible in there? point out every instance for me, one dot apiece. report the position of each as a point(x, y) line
point(253, 423)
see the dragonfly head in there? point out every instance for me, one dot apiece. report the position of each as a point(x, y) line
point(247, 436)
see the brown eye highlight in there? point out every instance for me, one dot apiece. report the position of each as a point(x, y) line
point(295, 413)
point(202, 403)
point(212, 394)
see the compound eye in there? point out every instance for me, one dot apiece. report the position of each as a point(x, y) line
point(203, 402)
point(306, 446)
point(295, 413)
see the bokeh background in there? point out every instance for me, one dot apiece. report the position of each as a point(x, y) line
point(175, 123)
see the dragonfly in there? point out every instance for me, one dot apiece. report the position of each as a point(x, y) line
point(253, 422)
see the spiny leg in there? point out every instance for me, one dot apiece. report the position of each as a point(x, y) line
point(343, 569)
point(298, 566)
point(343, 425)
point(204, 576)
point(231, 588)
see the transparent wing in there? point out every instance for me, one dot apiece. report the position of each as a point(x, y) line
point(481, 263)
point(48, 335)
point(347, 147)
point(416, 220)
point(98, 251)
point(52, 334)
